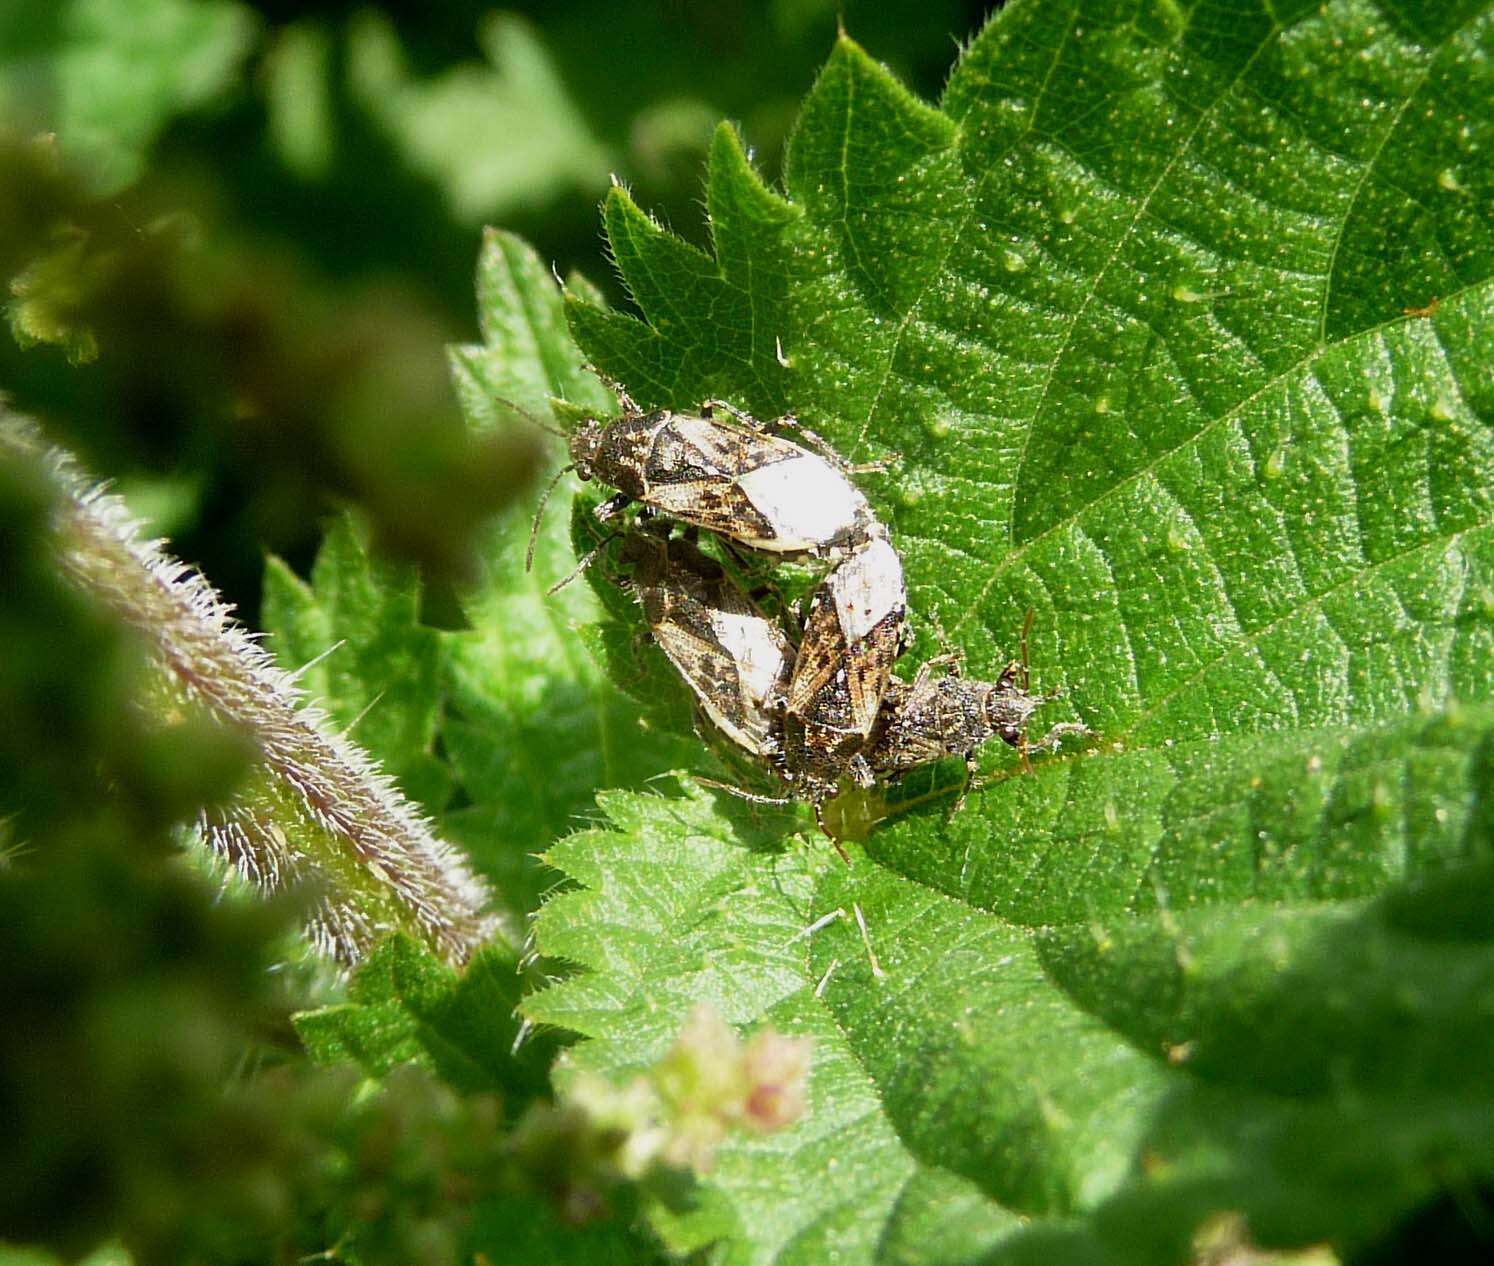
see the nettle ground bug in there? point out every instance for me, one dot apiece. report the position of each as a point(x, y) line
point(854, 631)
point(743, 669)
point(733, 657)
point(730, 476)
point(829, 711)
point(939, 716)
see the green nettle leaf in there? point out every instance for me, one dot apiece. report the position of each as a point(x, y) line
point(533, 726)
point(405, 1006)
point(1176, 319)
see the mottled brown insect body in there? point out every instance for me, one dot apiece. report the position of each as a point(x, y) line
point(940, 716)
point(947, 716)
point(619, 453)
point(731, 478)
point(854, 632)
point(735, 659)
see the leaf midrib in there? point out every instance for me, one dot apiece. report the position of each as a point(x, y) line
point(1018, 552)
point(1364, 175)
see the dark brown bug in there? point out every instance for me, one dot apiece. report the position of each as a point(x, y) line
point(733, 657)
point(733, 477)
point(854, 631)
point(938, 716)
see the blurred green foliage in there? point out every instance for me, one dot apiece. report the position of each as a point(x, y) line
point(130, 996)
point(257, 225)
point(152, 1084)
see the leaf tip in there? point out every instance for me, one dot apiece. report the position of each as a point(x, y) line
point(618, 201)
point(727, 145)
point(734, 186)
point(845, 46)
point(623, 219)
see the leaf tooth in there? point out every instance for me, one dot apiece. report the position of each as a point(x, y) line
point(856, 99)
point(624, 348)
point(737, 198)
point(661, 271)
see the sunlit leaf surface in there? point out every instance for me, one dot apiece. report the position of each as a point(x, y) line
point(1176, 321)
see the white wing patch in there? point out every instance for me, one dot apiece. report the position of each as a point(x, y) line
point(755, 646)
point(806, 499)
point(866, 588)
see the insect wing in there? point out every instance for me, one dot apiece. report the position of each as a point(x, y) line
point(726, 448)
point(853, 634)
point(821, 653)
point(807, 501)
point(732, 657)
point(758, 488)
point(759, 650)
point(717, 505)
point(870, 600)
point(712, 673)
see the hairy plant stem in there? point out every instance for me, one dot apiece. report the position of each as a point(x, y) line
point(316, 812)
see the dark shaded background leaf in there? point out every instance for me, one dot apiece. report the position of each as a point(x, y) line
point(407, 1007)
point(355, 632)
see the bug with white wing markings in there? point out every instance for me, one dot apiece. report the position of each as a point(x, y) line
point(739, 664)
point(735, 478)
point(854, 631)
point(734, 658)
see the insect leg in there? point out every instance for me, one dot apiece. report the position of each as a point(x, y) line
point(948, 652)
point(708, 407)
point(612, 507)
point(616, 388)
point(1051, 741)
point(741, 793)
point(972, 782)
point(789, 422)
point(860, 771)
point(880, 466)
point(586, 561)
point(819, 817)
point(924, 676)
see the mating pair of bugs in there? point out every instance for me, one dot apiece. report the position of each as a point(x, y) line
point(826, 708)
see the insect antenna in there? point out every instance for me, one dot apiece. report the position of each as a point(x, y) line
point(530, 417)
point(534, 528)
point(586, 561)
